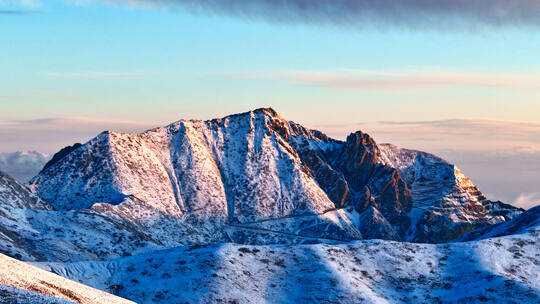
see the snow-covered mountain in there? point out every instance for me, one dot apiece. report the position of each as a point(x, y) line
point(251, 208)
point(255, 177)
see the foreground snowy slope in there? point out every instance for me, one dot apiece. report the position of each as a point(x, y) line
point(243, 177)
point(24, 283)
point(498, 270)
point(12, 295)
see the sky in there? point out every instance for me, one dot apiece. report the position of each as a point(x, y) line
point(457, 78)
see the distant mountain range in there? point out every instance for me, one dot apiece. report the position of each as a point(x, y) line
point(271, 186)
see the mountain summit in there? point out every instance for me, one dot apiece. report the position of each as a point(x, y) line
point(257, 178)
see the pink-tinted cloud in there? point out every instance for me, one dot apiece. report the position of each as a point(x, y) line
point(527, 200)
point(403, 81)
point(50, 134)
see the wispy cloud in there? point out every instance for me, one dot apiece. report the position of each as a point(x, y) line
point(527, 200)
point(404, 80)
point(97, 75)
point(503, 136)
point(420, 14)
point(52, 133)
point(13, 12)
point(82, 121)
point(19, 7)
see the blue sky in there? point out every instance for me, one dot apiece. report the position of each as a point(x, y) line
point(72, 68)
point(143, 56)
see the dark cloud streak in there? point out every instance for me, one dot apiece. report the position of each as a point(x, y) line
point(14, 12)
point(424, 14)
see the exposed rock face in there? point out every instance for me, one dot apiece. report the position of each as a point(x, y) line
point(352, 174)
point(255, 166)
point(328, 179)
point(359, 159)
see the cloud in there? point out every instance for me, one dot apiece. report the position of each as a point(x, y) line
point(96, 75)
point(22, 166)
point(39, 121)
point(51, 134)
point(404, 80)
point(502, 136)
point(75, 121)
point(421, 14)
point(19, 7)
point(13, 12)
point(527, 200)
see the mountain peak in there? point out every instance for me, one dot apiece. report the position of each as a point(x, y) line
point(268, 111)
point(256, 166)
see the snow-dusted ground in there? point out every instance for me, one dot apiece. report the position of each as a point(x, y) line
point(24, 283)
point(498, 270)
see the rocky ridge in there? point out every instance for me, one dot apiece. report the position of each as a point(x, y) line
point(240, 177)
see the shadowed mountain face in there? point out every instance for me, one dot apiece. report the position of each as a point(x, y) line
point(256, 169)
point(59, 155)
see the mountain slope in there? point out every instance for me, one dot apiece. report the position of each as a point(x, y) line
point(250, 168)
point(499, 270)
point(31, 230)
point(24, 283)
point(446, 203)
point(526, 222)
